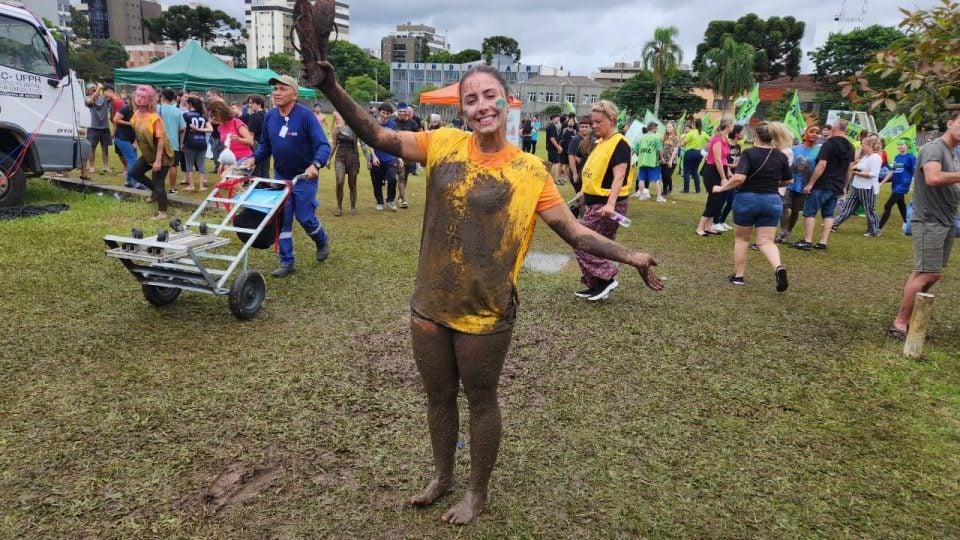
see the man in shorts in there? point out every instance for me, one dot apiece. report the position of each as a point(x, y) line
point(826, 184)
point(936, 198)
point(101, 113)
point(648, 163)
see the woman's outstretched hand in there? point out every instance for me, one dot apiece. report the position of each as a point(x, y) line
point(644, 264)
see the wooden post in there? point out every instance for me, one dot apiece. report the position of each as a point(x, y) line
point(922, 311)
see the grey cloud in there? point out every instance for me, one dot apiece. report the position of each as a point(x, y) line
point(582, 35)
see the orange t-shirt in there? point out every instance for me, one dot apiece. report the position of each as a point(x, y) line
point(480, 214)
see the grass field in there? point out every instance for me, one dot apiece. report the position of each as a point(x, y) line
point(707, 410)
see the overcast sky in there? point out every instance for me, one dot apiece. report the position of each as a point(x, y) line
point(581, 35)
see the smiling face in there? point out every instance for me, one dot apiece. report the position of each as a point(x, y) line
point(484, 103)
point(811, 134)
point(384, 116)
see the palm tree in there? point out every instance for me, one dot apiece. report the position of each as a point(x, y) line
point(728, 70)
point(662, 55)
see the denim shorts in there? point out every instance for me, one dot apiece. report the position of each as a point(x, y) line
point(821, 200)
point(757, 209)
point(648, 174)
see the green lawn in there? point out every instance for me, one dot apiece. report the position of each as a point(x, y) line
point(707, 410)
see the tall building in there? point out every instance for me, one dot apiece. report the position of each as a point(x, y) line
point(618, 73)
point(149, 9)
point(120, 19)
point(412, 43)
point(269, 23)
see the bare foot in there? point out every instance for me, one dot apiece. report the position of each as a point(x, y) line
point(435, 489)
point(467, 509)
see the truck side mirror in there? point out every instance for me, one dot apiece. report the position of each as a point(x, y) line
point(63, 59)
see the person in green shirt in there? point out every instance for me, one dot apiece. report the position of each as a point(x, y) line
point(648, 148)
point(694, 141)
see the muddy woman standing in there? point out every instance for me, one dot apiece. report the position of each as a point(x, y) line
point(483, 197)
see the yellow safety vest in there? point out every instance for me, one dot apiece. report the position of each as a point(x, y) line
point(596, 168)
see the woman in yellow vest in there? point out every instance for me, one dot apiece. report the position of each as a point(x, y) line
point(604, 195)
point(483, 196)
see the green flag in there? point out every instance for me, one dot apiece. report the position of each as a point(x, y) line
point(794, 119)
point(909, 137)
point(708, 124)
point(854, 130)
point(682, 123)
point(748, 106)
point(621, 120)
point(649, 117)
point(569, 106)
point(895, 127)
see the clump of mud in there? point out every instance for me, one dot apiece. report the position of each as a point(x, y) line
point(238, 484)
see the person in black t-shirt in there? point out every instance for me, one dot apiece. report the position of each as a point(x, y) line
point(826, 184)
point(761, 171)
point(553, 146)
point(124, 139)
point(195, 143)
point(254, 121)
point(526, 135)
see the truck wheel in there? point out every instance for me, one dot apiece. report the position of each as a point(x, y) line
point(160, 296)
point(247, 294)
point(12, 186)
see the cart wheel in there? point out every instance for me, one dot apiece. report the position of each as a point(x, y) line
point(204, 229)
point(247, 294)
point(176, 225)
point(162, 235)
point(160, 296)
point(137, 233)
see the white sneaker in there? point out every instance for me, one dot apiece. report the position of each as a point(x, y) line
point(391, 207)
point(720, 227)
point(661, 199)
point(605, 292)
point(379, 207)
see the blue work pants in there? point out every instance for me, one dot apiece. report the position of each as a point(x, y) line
point(302, 204)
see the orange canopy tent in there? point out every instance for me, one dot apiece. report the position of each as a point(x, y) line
point(450, 95)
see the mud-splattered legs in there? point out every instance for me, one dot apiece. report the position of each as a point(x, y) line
point(444, 357)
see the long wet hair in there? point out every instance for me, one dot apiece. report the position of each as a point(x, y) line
point(196, 103)
point(776, 134)
point(147, 91)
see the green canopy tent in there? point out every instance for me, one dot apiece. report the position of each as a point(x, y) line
point(265, 75)
point(193, 68)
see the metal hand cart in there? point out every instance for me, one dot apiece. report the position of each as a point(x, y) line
point(168, 263)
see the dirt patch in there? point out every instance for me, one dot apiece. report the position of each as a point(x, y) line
point(238, 484)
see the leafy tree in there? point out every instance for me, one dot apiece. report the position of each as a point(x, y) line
point(236, 50)
point(351, 61)
point(776, 42)
point(282, 62)
point(551, 109)
point(57, 34)
point(845, 54)
point(423, 89)
point(172, 25)
point(363, 89)
point(662, 55)
point(463, 57)
point(79, 23)
point(729, 70)
point(638, 94)
point(921, 73)
point(110, 52)
point(208, 24)
point(89, 66)
point(504, 45)
point(779, 108)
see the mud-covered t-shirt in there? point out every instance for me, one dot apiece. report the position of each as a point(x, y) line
point(149, 130)
point(478, 221)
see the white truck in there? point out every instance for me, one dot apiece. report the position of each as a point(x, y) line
point(42, 109)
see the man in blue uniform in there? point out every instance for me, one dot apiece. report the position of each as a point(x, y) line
point(293, 136)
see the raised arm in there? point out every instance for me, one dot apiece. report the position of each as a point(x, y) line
point(397, 143)
point(579, 237)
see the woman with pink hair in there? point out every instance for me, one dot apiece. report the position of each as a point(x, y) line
point(155, 151)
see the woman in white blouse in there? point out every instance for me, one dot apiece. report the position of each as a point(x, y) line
point(865, 180)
